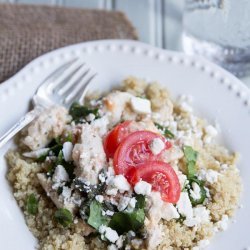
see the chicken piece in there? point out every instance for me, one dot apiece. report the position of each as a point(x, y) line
point(116, 103)
point(88, 155)
point(47, 126)
point(58, 200)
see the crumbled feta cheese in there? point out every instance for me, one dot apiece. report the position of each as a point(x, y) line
point(132, 203)
point(102, 177)
point(60, 175)
point(111, 191)
point(90, 117)
point(37, 153)
point(211, 131)
point(143, 187)
point(67, 151)
point(99, 198)
point(109, 213)
point(200, 216)
point(186, 107)
point(140, 105)
point(211, 176)
point(223, 223)
point(66, 193)
point(112, 247)
point(184, 205)
point(119, 242)
point(123, 203)
point(109, 233)
point(182, 178)
point(169, 212)
point(156, 146)
point(121, 183)
point(195, 192)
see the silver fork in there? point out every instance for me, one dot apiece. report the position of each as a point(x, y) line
point(66, 84)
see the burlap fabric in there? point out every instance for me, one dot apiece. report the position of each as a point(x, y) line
point(28, 31)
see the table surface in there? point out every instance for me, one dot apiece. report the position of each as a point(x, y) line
point(158, 22)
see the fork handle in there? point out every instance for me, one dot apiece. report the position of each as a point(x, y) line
point(24, 121)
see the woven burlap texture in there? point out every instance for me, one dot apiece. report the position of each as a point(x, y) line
point(28, 31)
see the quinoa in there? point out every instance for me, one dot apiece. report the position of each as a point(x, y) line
point(224, 192)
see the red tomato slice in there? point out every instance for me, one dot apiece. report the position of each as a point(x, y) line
point(134, 150)
point(115, 137)
point(161, 176)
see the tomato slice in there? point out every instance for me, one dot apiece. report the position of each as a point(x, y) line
point(115, 137)
point(135, 150)
point(161, 176)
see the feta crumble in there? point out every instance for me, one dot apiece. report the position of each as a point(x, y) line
point(121, 183)
point(223, 223)
point(211, 176)
point(184, 205)
point(140, 105)
point(195, 192)
point(99, 198)
point(143, 187)
point(109, 233)
point(156, 146)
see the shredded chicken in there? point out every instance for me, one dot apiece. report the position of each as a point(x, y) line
point(50, 124)
point(47, 184)
point(88, 155)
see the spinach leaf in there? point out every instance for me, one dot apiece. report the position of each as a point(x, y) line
point(166, 132)
point(96, 219)
point(79, 112)
point(64, 217)
point(32, 204)
point(123, 222)
point(191, 158)
point(140, 201)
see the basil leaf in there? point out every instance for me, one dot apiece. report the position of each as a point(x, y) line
point(79, 112)
point(32, 204)
point(123, 222)
point(96, 219)
point(64, 217)
point(191, 158)
point(166, 132)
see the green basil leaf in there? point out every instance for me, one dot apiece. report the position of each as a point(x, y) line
point(191, 158)
point(32, 204)
point(166, 132)
point(96, 219)
point(79, 112)
point(123, 222)
point(64, 217)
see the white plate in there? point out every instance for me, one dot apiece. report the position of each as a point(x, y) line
point(217, 96)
